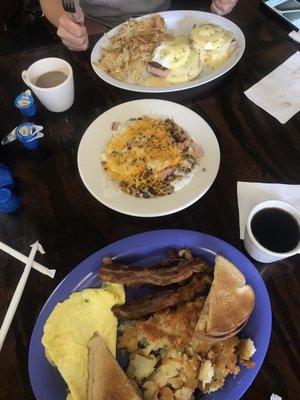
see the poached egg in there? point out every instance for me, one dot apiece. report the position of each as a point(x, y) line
point(212, 42)
point(182, 61)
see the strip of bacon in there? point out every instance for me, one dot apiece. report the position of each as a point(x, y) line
point(145, 305)
point(159, 275)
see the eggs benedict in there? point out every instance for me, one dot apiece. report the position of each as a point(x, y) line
point(213, 43)
point(175, 61)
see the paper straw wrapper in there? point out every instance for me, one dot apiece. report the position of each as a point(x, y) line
point(18, 293)
point(21, 257)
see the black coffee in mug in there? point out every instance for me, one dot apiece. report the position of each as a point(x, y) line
point(276, 230)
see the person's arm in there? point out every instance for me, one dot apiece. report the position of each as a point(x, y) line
point(71, 28)
point(53, 10)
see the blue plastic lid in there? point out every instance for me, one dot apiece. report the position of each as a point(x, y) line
point(5, 195)
point(26, 132)
point(9, 202)
point(24, 100)
point(6, 177)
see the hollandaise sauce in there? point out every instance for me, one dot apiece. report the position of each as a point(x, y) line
point(214, 44)
point(173, 54)
point(156, 81)
point(216, 64)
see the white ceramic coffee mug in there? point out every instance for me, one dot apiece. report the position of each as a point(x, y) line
point(254, 248)
point(56, 98)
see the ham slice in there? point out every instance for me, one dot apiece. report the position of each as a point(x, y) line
point(156, 69)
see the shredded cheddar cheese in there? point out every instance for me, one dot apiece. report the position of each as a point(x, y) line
point(142, 157)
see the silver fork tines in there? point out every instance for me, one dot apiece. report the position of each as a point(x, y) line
point(69, 6)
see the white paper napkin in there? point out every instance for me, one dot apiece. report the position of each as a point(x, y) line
point(279, 92)
point(275, 397)
point(295, 35)
point(251, 193)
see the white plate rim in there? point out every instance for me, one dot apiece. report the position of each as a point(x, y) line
point(217, 19)
point(148, 214)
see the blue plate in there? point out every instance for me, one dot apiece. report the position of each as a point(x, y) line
point(147, 248)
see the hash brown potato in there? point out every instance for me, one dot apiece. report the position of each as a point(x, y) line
point(167, 361)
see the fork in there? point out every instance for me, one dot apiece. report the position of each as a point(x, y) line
point(69, 6)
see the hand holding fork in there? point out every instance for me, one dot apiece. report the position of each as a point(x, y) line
point(71, 28)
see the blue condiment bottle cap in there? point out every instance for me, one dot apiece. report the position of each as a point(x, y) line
point(6, 177)
point(26, 104)
point(9, 202)
point(27, 135)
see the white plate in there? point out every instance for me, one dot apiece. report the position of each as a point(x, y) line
point(181, 22)
point(98, 134)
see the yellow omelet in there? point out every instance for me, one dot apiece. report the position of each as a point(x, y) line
point(70, 326)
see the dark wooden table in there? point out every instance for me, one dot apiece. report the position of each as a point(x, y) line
point(71, 224)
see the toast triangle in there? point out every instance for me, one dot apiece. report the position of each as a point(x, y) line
point(229, 303)
point(106, 379)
